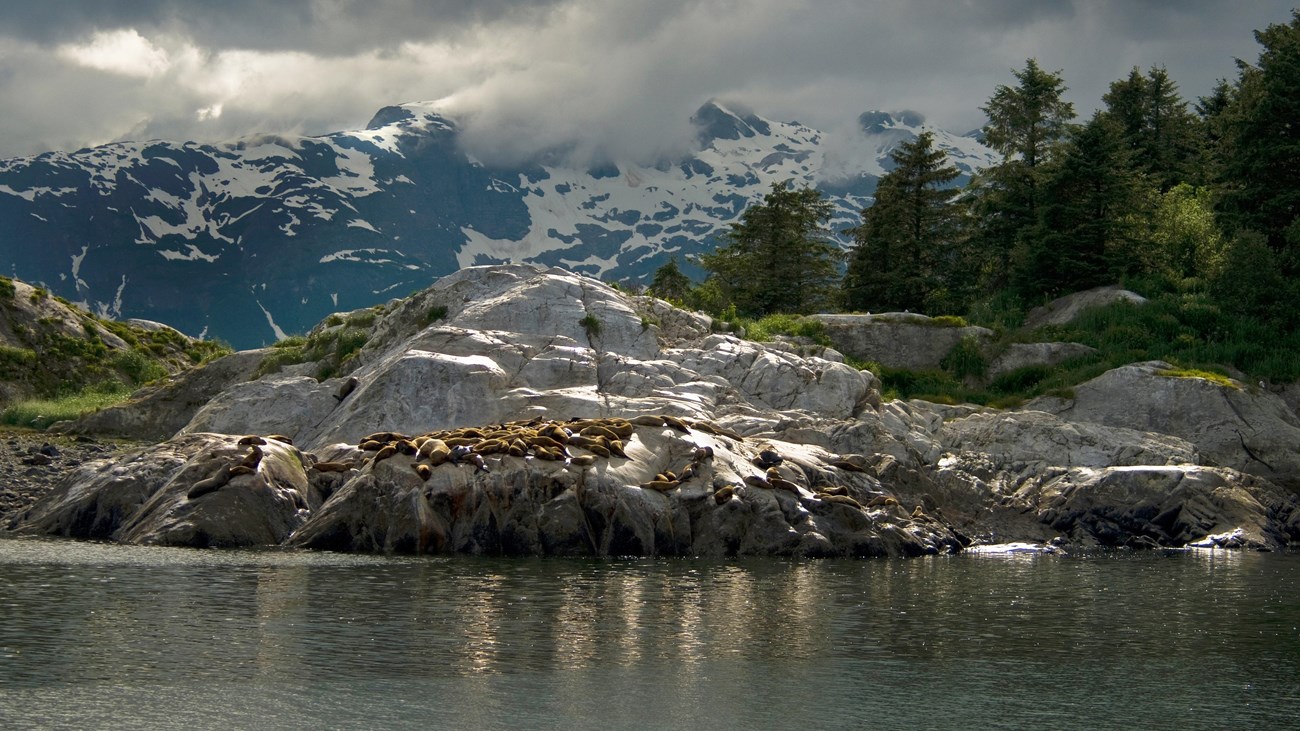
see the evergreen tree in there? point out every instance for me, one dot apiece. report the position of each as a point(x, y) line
point(779, 257)
point(670, 283)
point(1088, 230)
point(1026, 124)
point(906, 243)
point(1156, 126)
point(1260, 157)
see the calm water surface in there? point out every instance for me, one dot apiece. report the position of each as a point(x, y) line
point(103, 636)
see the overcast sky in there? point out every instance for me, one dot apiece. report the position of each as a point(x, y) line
point(621, 77)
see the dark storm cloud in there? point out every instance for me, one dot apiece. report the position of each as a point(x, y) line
point(605, 78)
point(320, 26)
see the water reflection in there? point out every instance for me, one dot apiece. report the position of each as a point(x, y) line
point(1007, 641)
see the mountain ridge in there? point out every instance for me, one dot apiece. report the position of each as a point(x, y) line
point(259, 237)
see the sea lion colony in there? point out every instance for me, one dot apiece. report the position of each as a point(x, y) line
point(582, 442)
point(579, 443)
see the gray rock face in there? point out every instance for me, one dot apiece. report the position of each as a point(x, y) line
point(1023, 355)
point(1250, 430)
point(898, 339)
point(160, 410)
point(512, 349)
point(1062, 311)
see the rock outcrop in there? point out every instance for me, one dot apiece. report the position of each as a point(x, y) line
point(1231, 423)
point(898, 339)
point(515, 410)
point(1064, 310)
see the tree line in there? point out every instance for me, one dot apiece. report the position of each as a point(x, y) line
point(1151, 192)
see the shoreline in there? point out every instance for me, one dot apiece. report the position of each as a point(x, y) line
point(32, 462)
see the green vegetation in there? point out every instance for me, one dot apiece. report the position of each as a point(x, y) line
point(7, 289)
point(1217, 378)
point(765, 328)
point(40, 413)
point(591, 324)
point(1195, 208)
point(435, 313)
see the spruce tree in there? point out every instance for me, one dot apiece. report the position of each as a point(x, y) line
point(905, 246)
point(1027, 124)
point(1156, 126)
point(670, 283)
point(1088, 225)
point(1260, 156)
point(779, 256)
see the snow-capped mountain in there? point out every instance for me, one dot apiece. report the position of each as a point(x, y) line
point(260, 237)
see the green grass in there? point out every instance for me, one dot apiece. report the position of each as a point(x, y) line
point(40, 413)
point(591, 324)
point(765, 328)
point(1217, 378)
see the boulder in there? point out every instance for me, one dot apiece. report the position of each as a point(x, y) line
point(898, 339)
point(161, 409)
point(1230, 423)
point(1024, 355)
point(181, 493)
point(1064, 310)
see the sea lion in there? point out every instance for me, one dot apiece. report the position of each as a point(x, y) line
point(211, 483)
point(582, 460)
point(659, 485)
point(768, 457)
point(833, 490)
point(666, 476)
point(434, 450)
point(677, 424)
point(280, 438)
point(332, 466)
point(544, 441)
point(385, 452)
point(382, 437)
point(687, 473)
point(371, 445)
point(555, 432)
point(842, 500)
point(757, 481)
point(724, 494)
point(241, 469)
point(881, 500)
point(622, 428)
point(846, 465)
point(783, 484)
point(616, 448)
point(424, 471)
point(251, 439)
point(709, 427)
point(253, 458)
point(598, 430)
point(703, 453)
point(647, 420)
point(517, 449)
point(491, 446)
point(407, 447)
point(346, 388)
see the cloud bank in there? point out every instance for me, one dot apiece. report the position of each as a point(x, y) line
point(608, 80)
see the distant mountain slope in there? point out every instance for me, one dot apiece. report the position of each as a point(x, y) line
point(252, 239)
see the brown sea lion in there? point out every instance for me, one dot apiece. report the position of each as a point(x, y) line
point(647, 420)
point(253, 458)
point(241, 469)
point(598, 430)
point(881, 500)
point(616, 448)
point(332, 466)
point(659, 485)
point(280, 438)
point(212, 483)
point(677, 424)
point(251, 439)
point(385, 452)
point(424, 471)
point(346, 388)
point(582, 460)
point(833, 490)
point(783, 484)
point(724, 494)
point(757, 481)
point(842, 500)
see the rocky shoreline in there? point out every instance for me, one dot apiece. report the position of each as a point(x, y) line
point(514, 410)
point(33, 462)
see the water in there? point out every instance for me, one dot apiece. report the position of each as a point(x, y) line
point(103, 636)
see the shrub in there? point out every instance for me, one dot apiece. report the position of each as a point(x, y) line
point(966, 359)
point(591, 324)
